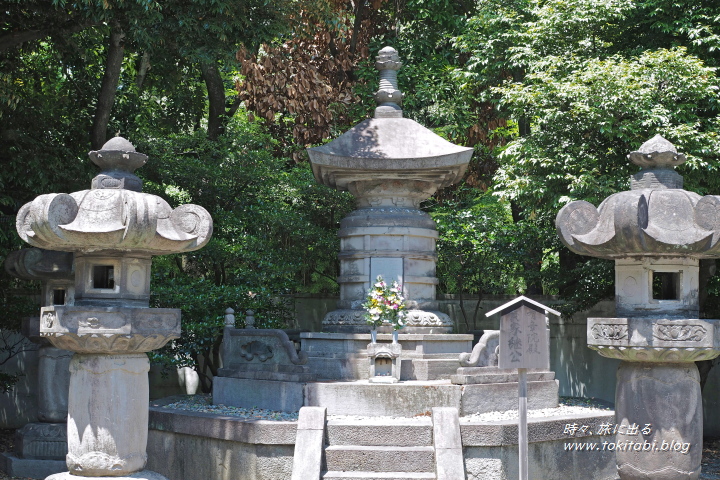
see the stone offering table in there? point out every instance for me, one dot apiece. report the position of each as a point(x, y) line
point(656, 233)
point(113, 230)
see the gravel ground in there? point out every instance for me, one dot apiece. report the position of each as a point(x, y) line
point(200, 403)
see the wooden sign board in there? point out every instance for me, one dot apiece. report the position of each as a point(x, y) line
point(524, 336)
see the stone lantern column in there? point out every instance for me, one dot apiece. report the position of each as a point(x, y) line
point(656, 233)
point(114, 230)
point(41, 444)
point(390, 164)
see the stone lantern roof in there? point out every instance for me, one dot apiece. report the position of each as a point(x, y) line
point(389, 145)
point(656, 217)
point(114, 215)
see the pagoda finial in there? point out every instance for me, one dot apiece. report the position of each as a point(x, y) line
point(389, 98)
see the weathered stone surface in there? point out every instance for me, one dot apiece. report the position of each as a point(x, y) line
point(309, 444)
point(42, 441)
point(263, 354)
point(654, 340)
point(141, 475)
point(282, 396)
point(97, 329)
point(107, 434)
point(29, 467)
point(380, 459)
point(53, 382)
point(385, 362)
point(667, 398)
point(448, 444)
point(484, 353)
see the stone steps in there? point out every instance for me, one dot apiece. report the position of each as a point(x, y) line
point(379, 476)
point(356, 458)
point(385, 432)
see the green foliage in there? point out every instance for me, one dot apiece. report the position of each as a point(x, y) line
point(274, 234)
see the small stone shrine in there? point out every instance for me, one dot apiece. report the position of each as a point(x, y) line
point(114, 230)
point(41, 447)
point(656, 233)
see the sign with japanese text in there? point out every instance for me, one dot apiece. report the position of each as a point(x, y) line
point(524, 339)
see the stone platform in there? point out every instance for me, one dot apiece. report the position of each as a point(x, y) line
point(343, 356)
point(360, 397)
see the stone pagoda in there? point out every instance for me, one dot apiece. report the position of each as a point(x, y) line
point(656, 233)
point(113, 229)
point(390, 164)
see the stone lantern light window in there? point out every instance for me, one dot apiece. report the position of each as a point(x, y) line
point(665, 286)
point(58, 296)
point(103, 276)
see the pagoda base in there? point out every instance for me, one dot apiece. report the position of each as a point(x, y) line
point(417, 321)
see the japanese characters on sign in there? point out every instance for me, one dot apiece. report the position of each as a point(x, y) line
point(524, 341)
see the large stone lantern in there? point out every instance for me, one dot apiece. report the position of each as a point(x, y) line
point(390, 164)
point(113, 230)
point(656, 233)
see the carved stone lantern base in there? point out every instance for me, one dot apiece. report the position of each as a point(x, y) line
point(658, 402)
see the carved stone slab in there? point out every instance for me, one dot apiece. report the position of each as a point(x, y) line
point(91, 329)
point(263, 354)
point(656, 340)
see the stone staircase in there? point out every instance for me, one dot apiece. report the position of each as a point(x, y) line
point(378, 448)
point(399, 449)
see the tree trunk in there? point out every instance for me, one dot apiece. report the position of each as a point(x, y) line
point(142, 71)
point(108, 88)
point(216, 98)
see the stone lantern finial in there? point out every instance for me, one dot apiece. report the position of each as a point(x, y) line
point(656, 157)
point(389, 98)
point(117, 160)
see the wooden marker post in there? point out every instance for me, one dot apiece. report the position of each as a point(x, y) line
point(524, 343)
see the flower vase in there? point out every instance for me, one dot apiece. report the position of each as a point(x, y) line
point(373, 335)
point(395, 336)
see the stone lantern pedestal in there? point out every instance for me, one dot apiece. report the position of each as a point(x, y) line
point(113, 229)
point(656, 233)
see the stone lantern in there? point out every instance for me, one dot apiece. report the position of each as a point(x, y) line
point(390, 164)
point(113, 229)
point(41, 446)
point(656, 233)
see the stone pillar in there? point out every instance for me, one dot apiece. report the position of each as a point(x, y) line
point(107, 434)
point(649, 400)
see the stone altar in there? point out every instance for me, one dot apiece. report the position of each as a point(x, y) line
point(656, 233)
point(113, 229)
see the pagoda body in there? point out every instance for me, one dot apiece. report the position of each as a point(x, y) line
point(656, 233)
point(113, 229)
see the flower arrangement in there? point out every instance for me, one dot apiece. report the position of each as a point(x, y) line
point(385, 303)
